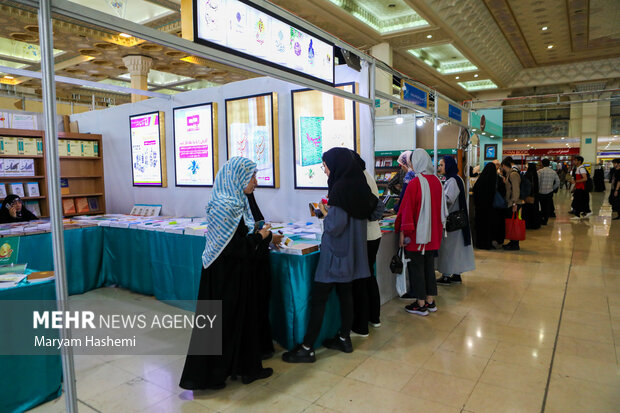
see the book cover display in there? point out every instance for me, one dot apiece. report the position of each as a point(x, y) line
point(252, 132)
point(16, 188)
point(81, 205)
point(195, 150)
point(32, 189)
point(321, 121)
point(148, 152)
point(68, 206)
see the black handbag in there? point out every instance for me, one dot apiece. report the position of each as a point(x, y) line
point(456, 220)
point(396, 264)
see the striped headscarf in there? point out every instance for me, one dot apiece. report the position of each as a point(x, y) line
point(227, 206)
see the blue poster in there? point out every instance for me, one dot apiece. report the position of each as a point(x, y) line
point(455, 113)
point(414, 95)
point(311, 139)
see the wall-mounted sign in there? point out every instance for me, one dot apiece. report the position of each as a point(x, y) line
point(413, 94)
point(490, 151)
point(321, 121)
point(252, 132)
point(148, 149)
point(455, 113)
point(195, 144)
point(246, 29)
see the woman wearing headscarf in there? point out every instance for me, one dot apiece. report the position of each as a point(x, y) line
point(404, 160)
point(420, 223)
point(456, 254)
point(343, 257)
point(531, 206)
point(227, 275)
point(262, 267)
point(366, 297)
point(13, 210)
point(486, 217)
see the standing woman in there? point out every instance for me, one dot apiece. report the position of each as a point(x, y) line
point(531, 206)
point(228, 275)
point(420, 222)
point(343, 257)
point(485, 215)
point(456, 254)
point(366, 297)
point(404, 160)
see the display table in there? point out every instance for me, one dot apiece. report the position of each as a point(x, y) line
point(27, 381)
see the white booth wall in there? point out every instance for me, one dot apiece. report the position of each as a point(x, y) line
point(390, 136)
point(281, 204)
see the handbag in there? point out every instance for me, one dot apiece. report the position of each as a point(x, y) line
point(456, 220)
point(396, 263)
point(498, 201)
point(515, 228)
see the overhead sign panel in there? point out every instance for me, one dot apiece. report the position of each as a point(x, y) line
point(248, 30)
point(413, 94)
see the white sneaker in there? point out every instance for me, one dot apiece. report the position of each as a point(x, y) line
point(575, 218)
point(375, 325)
point(354, 334)
point(587, 215)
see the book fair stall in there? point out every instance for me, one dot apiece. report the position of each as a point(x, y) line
point(121, 200)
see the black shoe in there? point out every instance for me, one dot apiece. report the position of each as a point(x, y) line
point(414, 308)
point(262, 374)
point(431, 307)
point(511, 247)
point(338, 343)
point(456, 279)
point(407, 296)
point(299, 355)
point(444, 280)
point(267, 356)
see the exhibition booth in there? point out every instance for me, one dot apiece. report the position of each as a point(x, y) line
point(159, 157)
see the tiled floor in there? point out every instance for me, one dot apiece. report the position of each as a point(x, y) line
point(489, 348)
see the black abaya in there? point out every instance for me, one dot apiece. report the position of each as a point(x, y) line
point(486, 217)
point(230, 278)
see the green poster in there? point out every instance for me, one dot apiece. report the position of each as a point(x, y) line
point(8, 250)
point(311, 137)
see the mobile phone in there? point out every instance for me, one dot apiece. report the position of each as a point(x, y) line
point(260, 224)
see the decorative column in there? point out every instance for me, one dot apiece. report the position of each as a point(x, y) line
point(589, 121)
point(383, 80)
point(138, 67)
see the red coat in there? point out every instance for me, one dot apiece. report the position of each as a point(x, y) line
point(409, 212)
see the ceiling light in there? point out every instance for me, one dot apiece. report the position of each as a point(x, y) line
point(474, 129)
point(544, 28)
point(9, 77)
point(399, 120)
point(515, 140)
point(458, 77)
point(550, 46)
point(125, 35)
point(476, 75)
point(528, 146)
point(562, 138)
point(492, 136)
point(430, 36)
point(419, 123)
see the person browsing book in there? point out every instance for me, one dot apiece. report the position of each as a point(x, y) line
point(13, 210)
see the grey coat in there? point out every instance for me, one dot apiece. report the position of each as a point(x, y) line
point(344, 257)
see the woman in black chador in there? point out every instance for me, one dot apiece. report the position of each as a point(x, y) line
point(229, 275)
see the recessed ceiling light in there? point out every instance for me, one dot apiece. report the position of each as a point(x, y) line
point(544, 28)
point(430, 36)
point(458, 77)
point(562, 138)
point(550, 46)
point(125, 35)
point(528, 146)
point(476, 75)
point(515, 140)
point(9, 77)
point(492, 136)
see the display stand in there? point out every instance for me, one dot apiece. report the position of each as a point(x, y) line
point(82, 175)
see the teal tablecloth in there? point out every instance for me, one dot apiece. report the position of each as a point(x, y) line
point(27, 381)
point(83, 252)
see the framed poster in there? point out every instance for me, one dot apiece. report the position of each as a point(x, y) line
point(148, 149)
point(255, 33)
point(321, 121)
point(490, 151)
point(195, 144)
point(252, 132)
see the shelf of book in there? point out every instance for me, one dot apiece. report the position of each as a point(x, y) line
point(82, 158)
point(81, 195)
point(27, 198)
point(22, 156)
point(81, 176)
point(85, 213)
point(21, 178)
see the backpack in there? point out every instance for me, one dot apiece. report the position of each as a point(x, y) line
point(525, 189)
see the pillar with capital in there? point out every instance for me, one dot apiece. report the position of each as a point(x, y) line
point(138, 67)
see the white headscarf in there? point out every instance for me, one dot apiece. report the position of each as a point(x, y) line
point(421, 164)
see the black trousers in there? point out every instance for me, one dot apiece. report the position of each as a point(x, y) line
point(581, 202)
point(320, 294)
point(366, 299)
point(546, 207)
point(421, 270)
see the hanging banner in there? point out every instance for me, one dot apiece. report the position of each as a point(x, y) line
point(413, 94)
point(455, 113)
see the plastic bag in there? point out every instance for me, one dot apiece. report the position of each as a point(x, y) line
point(401, 278)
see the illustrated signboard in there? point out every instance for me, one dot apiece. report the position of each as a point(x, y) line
point(195, 149)
point(249, 30)
point(251, 132)
point(321, 121)
point(148, 149)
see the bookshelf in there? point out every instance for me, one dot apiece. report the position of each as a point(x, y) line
point(83, 174)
